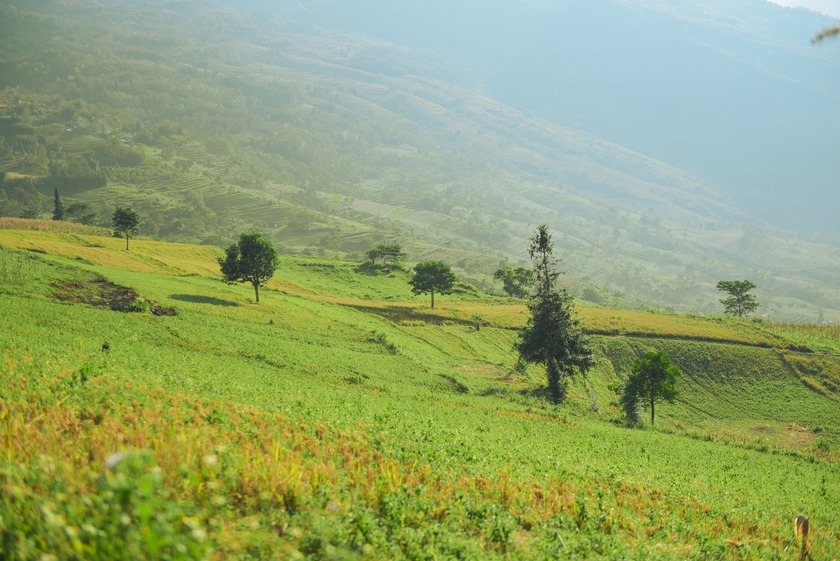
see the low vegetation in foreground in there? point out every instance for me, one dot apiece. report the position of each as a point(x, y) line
point(343, 418)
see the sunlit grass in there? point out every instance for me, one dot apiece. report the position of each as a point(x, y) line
point(824, 337)
point(324, 423)
point(641, 323)
point(10, 223)
point(143, 255)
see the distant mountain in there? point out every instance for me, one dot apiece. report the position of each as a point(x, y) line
point(732, 92)
point(211, 121)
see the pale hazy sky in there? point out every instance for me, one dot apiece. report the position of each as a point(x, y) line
point(828, 7)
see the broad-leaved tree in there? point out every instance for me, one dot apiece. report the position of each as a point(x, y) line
point(126, 223)
point(253, 259)
point(740, 302)
point(432, 277)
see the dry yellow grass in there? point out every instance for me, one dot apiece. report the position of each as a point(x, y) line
point(9, 223)
point(144, 256)
point(641, 323)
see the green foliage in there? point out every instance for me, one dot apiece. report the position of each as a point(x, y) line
point(77, 173)
point(253, 259)
point(652, 378)
point(17, 268)
point(58, 207)
point(126, 222)
point(552, 336)
point(516, 282)
point(19, 196)
point(80, 212)
point(430, 277)
point(115, 153)
point(391, 254)
point(740, 302)
point(127, 515)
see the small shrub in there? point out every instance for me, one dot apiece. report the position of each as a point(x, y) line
point(140, 306)
point(381, 339)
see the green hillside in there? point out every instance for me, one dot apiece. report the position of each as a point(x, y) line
point(342, 418)
point(210, 121)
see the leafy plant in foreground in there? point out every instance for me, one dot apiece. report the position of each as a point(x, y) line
point(129, 515)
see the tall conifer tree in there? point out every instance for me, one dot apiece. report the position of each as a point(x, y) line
point(552, 337)
point(58, 209)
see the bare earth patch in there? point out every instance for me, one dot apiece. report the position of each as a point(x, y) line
point(103, 293)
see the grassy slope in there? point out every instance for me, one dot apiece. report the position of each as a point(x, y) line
point(433, 407)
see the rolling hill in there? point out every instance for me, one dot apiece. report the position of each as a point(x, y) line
point(212, 120)
point(343, 419)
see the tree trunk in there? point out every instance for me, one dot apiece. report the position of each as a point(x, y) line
point(433, 299)
point(651, 410)
point(257, 291)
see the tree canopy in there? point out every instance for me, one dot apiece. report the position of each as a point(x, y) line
point(740, 302)
point(552, 336)
point(126, 222)
point(253, 259)
point(652, 378)
point(391, 254)
point(515, 282)
point(431, 277)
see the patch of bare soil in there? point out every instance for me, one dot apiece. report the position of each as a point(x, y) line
point(103, 293)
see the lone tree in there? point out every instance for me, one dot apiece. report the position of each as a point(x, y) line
point(253, 259)
point(431, 277)
point(391, 254)
point(126, 223)
point(58, 207)
point(516, 282)
point(740, 302)
point(552, 337)
point(652, 378)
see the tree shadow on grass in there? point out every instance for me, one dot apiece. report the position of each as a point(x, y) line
point(196, 299)
point(396, 314)
point(377, 270)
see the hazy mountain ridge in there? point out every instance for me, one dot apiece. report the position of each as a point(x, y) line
point(734, 93)
point(287, 117)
